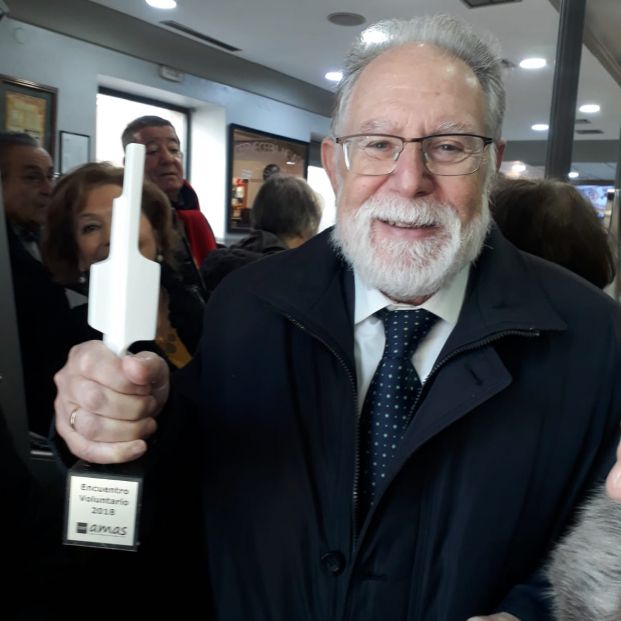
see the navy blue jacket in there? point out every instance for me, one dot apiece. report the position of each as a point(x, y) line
point(518, 418)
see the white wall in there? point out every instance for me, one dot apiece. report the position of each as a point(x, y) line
point(77, 69)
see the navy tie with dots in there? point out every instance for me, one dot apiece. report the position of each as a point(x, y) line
point(391, 397)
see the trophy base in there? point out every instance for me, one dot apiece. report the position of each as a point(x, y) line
point(102, 506)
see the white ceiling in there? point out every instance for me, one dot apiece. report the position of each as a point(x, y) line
point(295, 38)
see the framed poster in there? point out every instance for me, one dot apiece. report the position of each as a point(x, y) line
point(29, 107)
point(74, 150)
point(253, 155)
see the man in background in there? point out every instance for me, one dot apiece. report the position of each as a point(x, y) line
point(27, 174)
point(164, 167)
point(27, 179)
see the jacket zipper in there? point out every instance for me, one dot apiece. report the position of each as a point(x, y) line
point(487, 341)
point(356, 430)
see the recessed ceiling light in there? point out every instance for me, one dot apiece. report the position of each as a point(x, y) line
point(589, 108)
point(162, 4)
point(347, 19)
point(533, 63)
point(573, 174)
point(334, 76)
point(540, 127)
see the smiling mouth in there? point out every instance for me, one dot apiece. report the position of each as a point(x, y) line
point(407, 225)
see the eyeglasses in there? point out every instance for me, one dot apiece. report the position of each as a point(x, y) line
point(37, 179)
point(443, 154)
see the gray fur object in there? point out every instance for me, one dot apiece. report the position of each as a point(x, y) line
point(585, 568)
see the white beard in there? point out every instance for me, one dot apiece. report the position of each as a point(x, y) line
point(405, 270)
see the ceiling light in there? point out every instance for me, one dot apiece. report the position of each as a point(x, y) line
point(334, 76)
point(162, 4)
point(346, 19)
point(540, 127)
point(573, 174)
point(589, 108)
point(533, 63)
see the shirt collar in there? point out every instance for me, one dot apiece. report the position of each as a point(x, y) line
point(446, 303)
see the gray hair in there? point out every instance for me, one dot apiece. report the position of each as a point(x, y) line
point(445, 32)
point(8, 140)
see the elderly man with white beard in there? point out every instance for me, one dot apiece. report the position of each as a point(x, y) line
point(348, 470)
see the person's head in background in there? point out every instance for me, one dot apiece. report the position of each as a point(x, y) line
point(553, 220)
point(269, 170)
point(288, 207)
point(27, 174)
point(163, 161)
point(77, 230)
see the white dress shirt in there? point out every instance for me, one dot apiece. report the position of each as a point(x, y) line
point(369, 331)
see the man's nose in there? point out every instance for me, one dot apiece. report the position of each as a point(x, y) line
point(47, 186)
point(167, 156)
point(410, 177)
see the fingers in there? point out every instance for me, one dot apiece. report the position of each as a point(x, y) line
point(114, 401)
point(97, 381)
point(105, 452)
point(102, 429)
point(102, 440)
point(95, 362)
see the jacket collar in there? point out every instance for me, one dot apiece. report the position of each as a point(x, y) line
point(187, 199)
point(315, 289)
point(504, 294)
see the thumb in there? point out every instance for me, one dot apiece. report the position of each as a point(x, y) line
point(145, 368)
point(613, 482)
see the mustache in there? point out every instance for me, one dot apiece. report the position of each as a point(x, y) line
point(412, 212)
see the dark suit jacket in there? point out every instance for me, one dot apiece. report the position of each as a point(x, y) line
point(45, 330)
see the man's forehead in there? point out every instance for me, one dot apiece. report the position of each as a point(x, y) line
point(416, 82)
point(155, 134)
point(30, 157)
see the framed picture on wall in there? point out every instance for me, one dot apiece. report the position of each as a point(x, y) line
point(29, 107)
point(74, 150)
point(253, 156)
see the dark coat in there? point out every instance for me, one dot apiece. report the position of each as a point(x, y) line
point(518, 417)
point(249, 249)
point(46, 331)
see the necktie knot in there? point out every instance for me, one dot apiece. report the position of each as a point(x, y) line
point(404, 330)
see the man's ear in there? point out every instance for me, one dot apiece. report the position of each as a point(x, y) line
point(328, 160)
point(500, 151)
